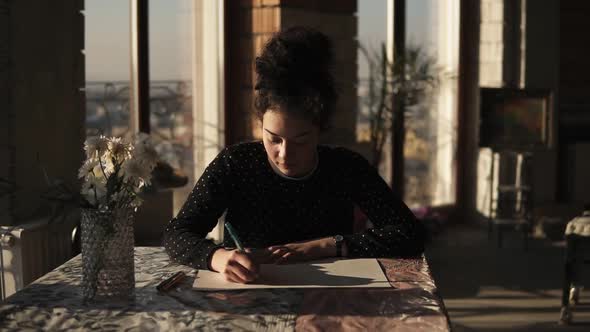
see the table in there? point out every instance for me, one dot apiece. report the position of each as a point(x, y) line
point(54, 302)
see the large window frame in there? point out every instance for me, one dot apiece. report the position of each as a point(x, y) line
point(140, 67)
point(209, 77)
point(396, 40)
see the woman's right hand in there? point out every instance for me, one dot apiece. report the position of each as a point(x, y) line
point(235, 266)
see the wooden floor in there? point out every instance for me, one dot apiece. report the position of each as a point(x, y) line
point(508, 289)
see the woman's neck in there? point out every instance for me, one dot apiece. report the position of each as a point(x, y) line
point(297, 178)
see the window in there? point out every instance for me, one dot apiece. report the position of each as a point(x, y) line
point(432, 28)
point(372, 36)
point(107, 67)
point(171, 40)
point(185, 50)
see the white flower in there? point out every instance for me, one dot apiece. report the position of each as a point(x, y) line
point(133, 170)
point(118, 148)
point(93, 181)
point(133, 165)
point(94, 189)
point(95, 146)
point(100, 172)
point(87, 167)
point(107, 166)
point(144, 150)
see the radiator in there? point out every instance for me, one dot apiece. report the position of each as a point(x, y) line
point(31, 250)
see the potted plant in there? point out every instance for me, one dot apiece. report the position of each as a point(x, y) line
point(393, 87)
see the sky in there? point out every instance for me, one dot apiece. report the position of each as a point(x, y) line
point(107, 35)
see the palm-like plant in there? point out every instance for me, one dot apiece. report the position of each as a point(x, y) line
point(393, 86)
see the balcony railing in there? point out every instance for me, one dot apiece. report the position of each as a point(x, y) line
point(107, 113)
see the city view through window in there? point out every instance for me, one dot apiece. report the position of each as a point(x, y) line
point(171, 57)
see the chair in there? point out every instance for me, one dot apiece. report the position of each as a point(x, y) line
point(511, 194)
point(577, 261)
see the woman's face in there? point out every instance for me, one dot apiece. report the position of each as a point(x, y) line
point(290, 142)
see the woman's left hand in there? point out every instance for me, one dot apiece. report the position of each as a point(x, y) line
point(301, 251)
point(289, 253)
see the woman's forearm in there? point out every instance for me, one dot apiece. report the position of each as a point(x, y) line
point(187, 247)
point(310, 250)
point(326, 247)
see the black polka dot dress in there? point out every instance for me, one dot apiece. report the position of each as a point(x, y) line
point(266, 208)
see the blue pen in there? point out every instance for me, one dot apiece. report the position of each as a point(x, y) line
point(234, 236)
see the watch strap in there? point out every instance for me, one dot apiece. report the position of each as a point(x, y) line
point(338, 240)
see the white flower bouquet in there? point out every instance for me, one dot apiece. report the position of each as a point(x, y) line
point(115, 171)
point(113, 174)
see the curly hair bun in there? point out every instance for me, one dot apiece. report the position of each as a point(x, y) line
point(296, 55)
point(295, 68)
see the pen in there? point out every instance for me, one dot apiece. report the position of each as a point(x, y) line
point(234, 236)
point(171, 282)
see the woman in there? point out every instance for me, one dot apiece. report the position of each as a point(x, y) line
point(288, 195)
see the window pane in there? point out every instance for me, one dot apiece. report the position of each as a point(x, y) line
point(372, 36)
point(171, 80)
point(107, 67)
point(491, 45)
point(432, 30)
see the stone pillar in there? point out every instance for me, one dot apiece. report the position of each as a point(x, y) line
point(252, 22)
point(491, 69)
point(7, 149)
point(42, 108)
point(469, 39)
point(491, 44)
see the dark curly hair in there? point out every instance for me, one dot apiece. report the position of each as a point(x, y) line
point(294, 74)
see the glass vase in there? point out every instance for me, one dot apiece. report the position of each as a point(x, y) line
point(107, 254)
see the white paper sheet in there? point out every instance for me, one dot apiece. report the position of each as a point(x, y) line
point(349, 273)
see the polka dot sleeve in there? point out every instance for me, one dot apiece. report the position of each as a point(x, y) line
point(396, 232)
point(184, 237)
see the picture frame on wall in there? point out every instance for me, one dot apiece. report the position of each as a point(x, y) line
point(515, 119)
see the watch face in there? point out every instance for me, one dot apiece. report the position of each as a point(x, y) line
point(339, 238)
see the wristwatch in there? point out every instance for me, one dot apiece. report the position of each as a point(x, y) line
point(338, 240)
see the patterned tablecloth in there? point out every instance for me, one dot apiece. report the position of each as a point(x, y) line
point(54, 302)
